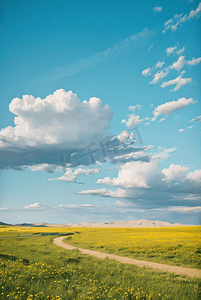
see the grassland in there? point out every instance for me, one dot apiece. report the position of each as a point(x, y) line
point(32, 267)
point(180, 246)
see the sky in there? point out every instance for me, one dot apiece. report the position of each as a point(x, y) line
point(100, 111)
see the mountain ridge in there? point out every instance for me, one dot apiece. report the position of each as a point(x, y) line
point(130, 223)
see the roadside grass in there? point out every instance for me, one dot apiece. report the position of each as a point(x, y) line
point(32, 267)
point(179, 246)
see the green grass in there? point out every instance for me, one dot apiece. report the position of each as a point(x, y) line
point(32, 267)
point(179, 246)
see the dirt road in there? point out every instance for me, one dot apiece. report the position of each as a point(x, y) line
point(141, 263)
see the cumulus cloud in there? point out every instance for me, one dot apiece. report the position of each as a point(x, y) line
point(70, 176)
point(169, 107)
point(144, 180)
point(34, 205)
point(174, 173)
point(133, 174)
point(180, 19)
point(179, 82)
point(162, 119)
point(124, 136)
point(146, 72)
point(179, 64)
point(157, 8)
point(159, 65)
point(123, 121)
point(56, 118)
point(170, 50)
point(134, 120)
point(194, 61)
point(159, 75)
point(197, 120)
point(195, 177)
point(180, 130)
point(45, 127)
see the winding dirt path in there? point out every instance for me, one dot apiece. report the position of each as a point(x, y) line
point(141, 263)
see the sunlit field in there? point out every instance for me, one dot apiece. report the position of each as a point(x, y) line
point(32, 267)
point(180, 246)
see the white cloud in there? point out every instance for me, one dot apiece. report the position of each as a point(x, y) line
point(159, 65)
point(174, 173)
point(179, 52)
point(124, 136)
point(35, 205)
point(46, 127)
point(133, 108)
point(190, 127)
point(146, 123)
point(133, 174)
point(169, 107)
point(71, 176)
point(179, 82)
point(147, 119)
point(157, 8)
point(150, 47)
point(194, 61)
point(180, 19)
point(195, 176)
point(159, 75)
point(161, 120)
point(146, 72)
point(197, 120)
point(179, 64)
point(194, 13)
point(180, 130)
point(134, 120)
point(58, 118)
point(123, 121)
point(45, 168)
point(122, 210)
point(144, 180)
point(170, 50)
point(105, 193)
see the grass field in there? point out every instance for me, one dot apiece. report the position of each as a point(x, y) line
point(180, 246)
point(32, 267)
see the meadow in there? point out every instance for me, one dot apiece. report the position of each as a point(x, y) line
point(32, 267)
point(179, 246)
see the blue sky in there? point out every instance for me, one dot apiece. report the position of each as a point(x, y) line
point(100, 111)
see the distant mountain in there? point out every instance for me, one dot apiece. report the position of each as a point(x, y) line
point(136, 223)
point(31, 225)
point(2, 223)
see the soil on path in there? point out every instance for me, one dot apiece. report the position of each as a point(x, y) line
point(141, 263)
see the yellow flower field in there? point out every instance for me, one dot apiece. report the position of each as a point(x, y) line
point(32, 267)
